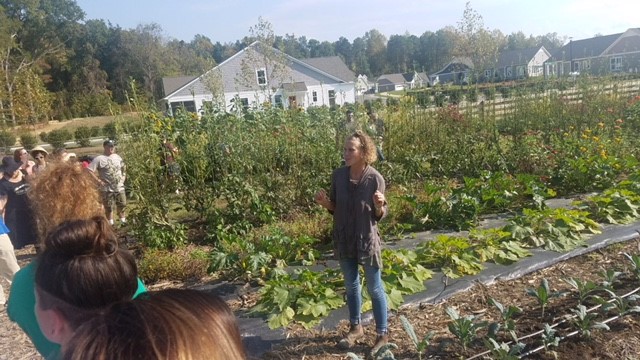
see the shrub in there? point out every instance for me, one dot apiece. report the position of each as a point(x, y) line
point(57, 138)
point(83, 136)
point(95, 131)
point(180, 264)
point(28, 140)
point(109, 130)
point(43, 136)
point(7, 139)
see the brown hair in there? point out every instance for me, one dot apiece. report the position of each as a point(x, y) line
point(368, 146)
point(82, 270)
point(63, 191)
point(16, 153)
point(168, 324)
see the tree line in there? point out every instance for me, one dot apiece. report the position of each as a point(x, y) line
point(55, 64)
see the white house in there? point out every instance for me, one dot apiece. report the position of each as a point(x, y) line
point(258, 75)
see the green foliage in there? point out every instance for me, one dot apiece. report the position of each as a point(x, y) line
point(422, 344)
point(58, 137)
point(553, 229)
point(83, 136)
point(179, 264)
point(613, 206)
point(635, 264)
point(549, 337)
point(620, 305)
point(497, 246)
point(543, 294)
point(454, 255)
point(28, 140)
point(7, 139)
point(610, 278)
point(303, 297)
point(585, 288)
point(585, 322)
point(43, 136)
point(464, 328)
point(402, 275)
point(506, 315)
point(110, 131)
point(503, 351)
point(159, 234)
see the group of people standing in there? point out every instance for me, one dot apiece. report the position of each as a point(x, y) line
point(81, 298)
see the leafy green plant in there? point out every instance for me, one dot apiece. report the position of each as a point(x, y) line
point(635, 264)
point(420, 344)
point(613, 206)
point(402, 275)
point(585, 322)
point(454, 255)
point(610, 278)
point(506, 315)
point(28, 140)
point(585, 288)
point(496, 245)
point(464, 328)
point(621, 305)
point(503, 351)
point(303, 297)
point(83, 136)
point(384, 353)
point(543, 294)
point(549, 337)
point(553, 229)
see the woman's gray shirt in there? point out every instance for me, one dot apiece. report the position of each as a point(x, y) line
point(355, 224)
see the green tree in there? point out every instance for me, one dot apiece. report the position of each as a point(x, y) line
point(376, 50)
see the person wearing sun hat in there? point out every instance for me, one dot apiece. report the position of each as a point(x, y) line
point(39, 154)
point(18, 215)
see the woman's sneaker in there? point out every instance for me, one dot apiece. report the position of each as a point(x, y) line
point(355, 333)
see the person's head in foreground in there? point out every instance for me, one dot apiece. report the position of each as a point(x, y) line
point(80, 272)
point(63, 191)
point(169, 324)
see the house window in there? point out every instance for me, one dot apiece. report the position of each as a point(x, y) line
point(520, 70)
point(189, 106)
point(278, 101)
point(314, 95)
point(261, 74)
point(551, 69)
point(615, 63)
point(332, 98)
point(509, 72)
point(488, 73)
point(576, 66)
point(244, 102)
point(586, 64)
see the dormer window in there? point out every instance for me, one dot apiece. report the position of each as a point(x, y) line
point(261, 75)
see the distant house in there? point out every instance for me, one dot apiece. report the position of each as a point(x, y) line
point(600, 55)
point(258, 75)
point(456, 72)
point(394, 82)
point(518, 64)
point(363, 85)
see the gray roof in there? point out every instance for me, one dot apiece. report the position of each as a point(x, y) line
point(517, 57)
point(585, 48)
point(296, 86)
point(626, 43)
point(392, 79)
point(171, 84)
point(332, 65)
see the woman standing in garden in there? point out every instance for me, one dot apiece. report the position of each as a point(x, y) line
point(357, 202)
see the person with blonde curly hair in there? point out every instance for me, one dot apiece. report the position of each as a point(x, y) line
point(168, 324)
point(63, 191)
point(357, 202)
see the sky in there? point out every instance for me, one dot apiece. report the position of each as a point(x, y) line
point(230, 20)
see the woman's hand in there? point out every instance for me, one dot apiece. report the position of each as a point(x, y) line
point(378, 199)
point(323, 199)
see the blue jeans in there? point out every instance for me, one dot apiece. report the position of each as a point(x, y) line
point(375, 288)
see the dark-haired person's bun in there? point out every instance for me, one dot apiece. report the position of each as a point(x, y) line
point(94, 237)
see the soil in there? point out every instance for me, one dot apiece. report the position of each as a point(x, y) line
point(622, 341)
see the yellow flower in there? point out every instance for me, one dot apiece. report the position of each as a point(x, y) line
point(565, 134)
point(583, 149)
point(596, 139)
point(601, 124)
point(584, 136)
point(587, 131)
